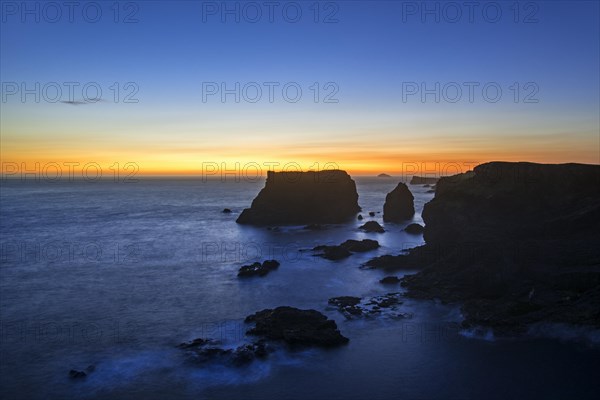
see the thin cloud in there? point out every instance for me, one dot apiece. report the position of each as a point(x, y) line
point(82, 102)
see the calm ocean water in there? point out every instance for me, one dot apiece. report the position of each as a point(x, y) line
point(116, 274)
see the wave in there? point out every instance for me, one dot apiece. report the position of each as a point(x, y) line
point(480, 333)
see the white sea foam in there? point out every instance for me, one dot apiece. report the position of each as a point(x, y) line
point(480, 333)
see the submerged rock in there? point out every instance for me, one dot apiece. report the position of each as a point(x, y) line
point(371, 213)
point(299, 198)
point(226, 211)
point(372, 226)
point(76, 374)
point(258, 269)
point(399, 204)
point(360, 217)
point(296, 327)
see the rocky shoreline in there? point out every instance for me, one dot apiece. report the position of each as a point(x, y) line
point(515, 244)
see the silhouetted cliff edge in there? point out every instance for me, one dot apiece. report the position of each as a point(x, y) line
point(296, 198)
point(515, 243)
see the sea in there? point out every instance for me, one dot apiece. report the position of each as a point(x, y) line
point(116, 274)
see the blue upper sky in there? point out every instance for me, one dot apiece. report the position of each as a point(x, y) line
point(369, 50)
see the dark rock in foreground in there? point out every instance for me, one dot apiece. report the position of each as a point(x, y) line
point(422, 180)
point(299, 198)
point(399, 204)
point(415, 229)
point(258, 269)
point(372, 226)
point(516, 244)
point(296, 327)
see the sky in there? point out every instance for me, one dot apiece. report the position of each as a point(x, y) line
point(367, 86)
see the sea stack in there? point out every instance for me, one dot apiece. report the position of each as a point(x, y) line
point(300, 198)
point(399, 204)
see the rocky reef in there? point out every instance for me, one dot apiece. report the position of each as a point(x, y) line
point(515, 244)
point(296, 327)
point(300, 198)
point(399, 204)
point(258, 269)
point(200, 351)
point(379, 306)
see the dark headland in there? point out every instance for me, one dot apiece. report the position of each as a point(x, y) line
point(515, 244)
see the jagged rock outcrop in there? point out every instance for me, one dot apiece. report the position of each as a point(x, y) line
point(514, 243)
point(399, 204)
point(300, 198)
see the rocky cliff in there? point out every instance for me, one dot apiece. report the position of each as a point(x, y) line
point(515, 243)
point(296, 198)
